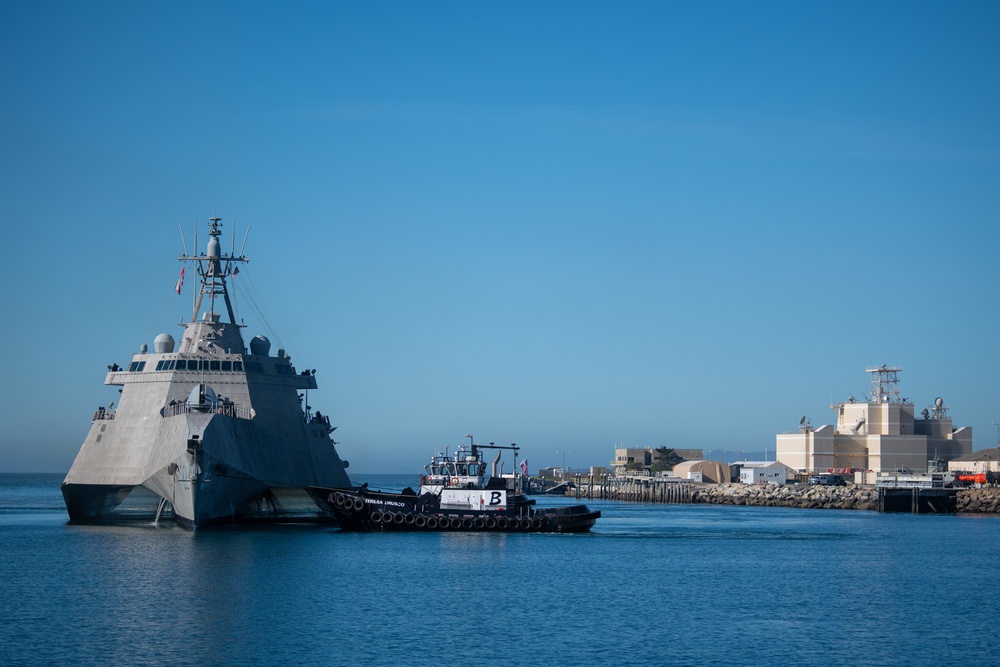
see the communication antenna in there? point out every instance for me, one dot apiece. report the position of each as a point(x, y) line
point(804, 425)
point(183, 240)
point(244, 241)
point(939, 410)
point(885, 384)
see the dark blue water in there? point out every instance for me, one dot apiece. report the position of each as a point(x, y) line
point(653, 584)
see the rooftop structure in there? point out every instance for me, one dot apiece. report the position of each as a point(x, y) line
point(881, 434)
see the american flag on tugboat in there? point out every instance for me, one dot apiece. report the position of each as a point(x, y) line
point(524, 466)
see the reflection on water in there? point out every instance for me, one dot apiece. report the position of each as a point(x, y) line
point(652, 585)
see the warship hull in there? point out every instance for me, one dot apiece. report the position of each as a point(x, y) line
point(214, 429)
point(210, 468)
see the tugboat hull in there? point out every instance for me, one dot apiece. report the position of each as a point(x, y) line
point(390, 512)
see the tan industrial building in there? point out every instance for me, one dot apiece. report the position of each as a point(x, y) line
point(714, 472)
point(631, 459)
point(985, 460)
point(881, 435)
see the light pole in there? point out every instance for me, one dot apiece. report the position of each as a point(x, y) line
point(563, 473)
point(472, 442)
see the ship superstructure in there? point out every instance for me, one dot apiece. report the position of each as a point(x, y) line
point(213, 428)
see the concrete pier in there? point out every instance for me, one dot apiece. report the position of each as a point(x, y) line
point(918, 501)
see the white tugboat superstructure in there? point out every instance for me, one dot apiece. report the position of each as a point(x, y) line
point(212, 428)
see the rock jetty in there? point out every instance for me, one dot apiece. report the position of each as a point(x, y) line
point(771, 495)
point(979, 501)
point(985, 500)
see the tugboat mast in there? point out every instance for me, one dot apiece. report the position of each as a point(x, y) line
point(213, 268)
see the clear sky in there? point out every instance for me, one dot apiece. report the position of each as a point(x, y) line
point(561, 224)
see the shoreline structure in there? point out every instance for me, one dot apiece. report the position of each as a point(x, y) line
point(983, 500)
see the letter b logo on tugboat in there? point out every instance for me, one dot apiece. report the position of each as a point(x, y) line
point(497, 498)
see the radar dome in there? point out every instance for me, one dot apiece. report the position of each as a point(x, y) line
point(938, 402)
point(163, 344)
point(260, 346)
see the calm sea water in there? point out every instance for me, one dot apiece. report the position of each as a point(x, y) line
point(653, 584)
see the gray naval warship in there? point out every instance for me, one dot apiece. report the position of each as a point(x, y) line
point(219, 432)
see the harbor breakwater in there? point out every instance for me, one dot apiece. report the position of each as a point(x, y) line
point(770, 495)
point(985, 500)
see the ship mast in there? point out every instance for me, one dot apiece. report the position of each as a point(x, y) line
point(213, 267)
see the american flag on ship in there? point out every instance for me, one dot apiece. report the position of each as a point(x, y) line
point(524, 466)
point(180, 281)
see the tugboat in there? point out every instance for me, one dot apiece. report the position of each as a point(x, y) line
point(454, 496)
point(218, 431)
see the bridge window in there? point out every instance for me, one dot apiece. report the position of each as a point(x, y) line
point(137, 366)
point(214, 365)
point(238, 366)
point(227, 365)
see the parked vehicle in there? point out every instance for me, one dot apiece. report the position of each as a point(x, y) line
point(827, 479)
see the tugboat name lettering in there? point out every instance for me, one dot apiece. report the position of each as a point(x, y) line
point(495, 498)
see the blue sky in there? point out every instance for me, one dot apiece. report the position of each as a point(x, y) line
point(561, 224)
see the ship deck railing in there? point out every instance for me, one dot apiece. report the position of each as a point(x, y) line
point(225, 409)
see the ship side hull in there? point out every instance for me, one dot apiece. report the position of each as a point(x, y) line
point(211, 469)
point(92, 502)
point(385, 512)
